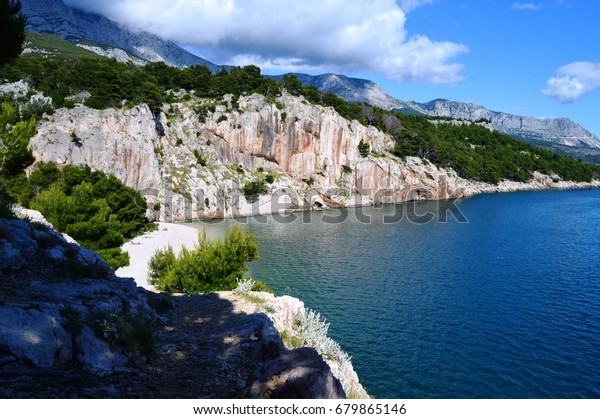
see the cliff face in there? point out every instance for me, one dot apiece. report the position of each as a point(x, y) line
point(196, 157)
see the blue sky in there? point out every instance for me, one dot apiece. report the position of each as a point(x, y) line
point(515, 48)
point(535, 58)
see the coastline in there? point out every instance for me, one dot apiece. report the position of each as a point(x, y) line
point(283, 310)
point(468, 189)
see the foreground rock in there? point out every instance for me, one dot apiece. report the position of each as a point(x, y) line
point(57, 300)
point(298, 374)
point(69, 328)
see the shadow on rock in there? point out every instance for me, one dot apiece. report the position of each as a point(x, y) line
point(206, 349)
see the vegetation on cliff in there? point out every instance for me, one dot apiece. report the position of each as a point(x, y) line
point(477, 153)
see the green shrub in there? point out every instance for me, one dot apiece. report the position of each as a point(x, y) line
point(15, 153)
point(364, 148)
point(261, 286)
point(270, 178)
point(114, 257)
point(346, 169)
point(253, 189)
point(200, 159)
point(210, 266)
point(95, 209)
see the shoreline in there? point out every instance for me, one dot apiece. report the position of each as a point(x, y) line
point(142, 248)
point(538, 184)
point(284, 309)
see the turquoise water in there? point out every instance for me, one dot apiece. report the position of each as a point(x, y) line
point(506, 305)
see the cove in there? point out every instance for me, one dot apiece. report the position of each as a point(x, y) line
point(502, 304)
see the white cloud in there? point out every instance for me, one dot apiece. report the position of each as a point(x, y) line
point(573, 81)
point(527, 6)
point(312, 35)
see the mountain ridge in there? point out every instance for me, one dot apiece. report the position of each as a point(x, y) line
point(560, 131)
point(55, 17)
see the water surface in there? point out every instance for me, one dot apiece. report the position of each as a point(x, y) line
point(506, 305)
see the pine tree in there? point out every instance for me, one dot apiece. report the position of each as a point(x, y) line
point(12, 30)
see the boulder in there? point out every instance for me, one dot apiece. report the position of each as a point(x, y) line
point(34, 336)
point(297, 374)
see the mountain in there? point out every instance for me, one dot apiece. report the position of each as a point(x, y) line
point(557, 130)
point(558, 134)
point(77, 26)
point(353, 90)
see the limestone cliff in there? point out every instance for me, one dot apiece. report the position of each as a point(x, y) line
point(195, 158)
point(198, 156)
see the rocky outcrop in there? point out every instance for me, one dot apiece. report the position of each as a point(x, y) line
point(288, 314)
point(120, 142)
point(195, 159)
point(57, 300)
point(70, 328)
point(297, 374)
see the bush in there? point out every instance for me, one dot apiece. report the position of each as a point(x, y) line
point(363, 148)
point(252, 190)
point(200, 159)
point(211, 266)
point(95, 209)
point(15, 153)
point(5, 203)
point(270, 178)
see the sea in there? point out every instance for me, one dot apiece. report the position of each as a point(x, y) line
point(493, 296)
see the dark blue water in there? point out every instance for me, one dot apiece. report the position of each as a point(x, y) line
point(504, 306)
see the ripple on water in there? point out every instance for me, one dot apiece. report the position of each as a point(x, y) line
point(505, 306)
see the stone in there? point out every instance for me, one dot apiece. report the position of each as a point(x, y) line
point(96, 355)
point(313, 152)
point(297, 374)
point(34, 336)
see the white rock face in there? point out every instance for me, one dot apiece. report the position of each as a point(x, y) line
point(195, 160)
point(120, 142)
point(311, 151)
point(118, 54)
point(35, 336)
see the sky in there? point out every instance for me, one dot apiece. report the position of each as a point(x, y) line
point(535, 58)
